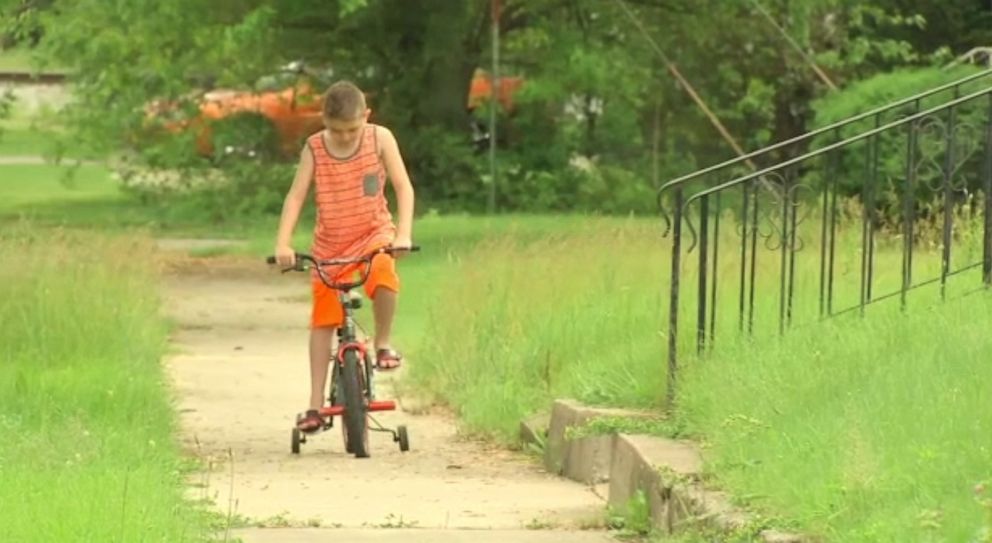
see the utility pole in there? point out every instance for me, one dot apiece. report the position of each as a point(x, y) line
point(494, 86)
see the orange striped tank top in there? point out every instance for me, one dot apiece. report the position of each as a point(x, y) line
point(352, 214)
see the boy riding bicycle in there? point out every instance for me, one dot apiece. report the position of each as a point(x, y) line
point(347, 164)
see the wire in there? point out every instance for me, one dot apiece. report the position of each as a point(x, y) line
point(809, 60)
point(685, 83)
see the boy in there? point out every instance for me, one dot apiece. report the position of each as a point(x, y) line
point(347, 164)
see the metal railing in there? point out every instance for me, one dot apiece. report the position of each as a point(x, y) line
point(791, 145)
point(912, 178)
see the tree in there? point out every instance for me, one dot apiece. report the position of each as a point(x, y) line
point(415, 58)
point(958, 25)
point(598, 123)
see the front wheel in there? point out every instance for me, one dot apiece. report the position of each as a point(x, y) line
point(355, 409)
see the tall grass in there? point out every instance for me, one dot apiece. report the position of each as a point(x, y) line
point(88, 452)
point(857, 428)
point(572, 313)
point(861, 429)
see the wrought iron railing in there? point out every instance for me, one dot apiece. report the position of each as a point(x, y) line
point(909, 182)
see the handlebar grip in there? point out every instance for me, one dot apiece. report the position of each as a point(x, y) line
point(410, 249)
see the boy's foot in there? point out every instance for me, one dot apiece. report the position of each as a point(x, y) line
point(387, 359)
point(311, 421)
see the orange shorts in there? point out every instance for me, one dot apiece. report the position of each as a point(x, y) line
point(327, 312)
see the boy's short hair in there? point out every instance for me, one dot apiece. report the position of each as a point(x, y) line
point(344, 101)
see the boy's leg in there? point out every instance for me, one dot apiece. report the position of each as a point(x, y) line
point(320, 356)
point(383, 287)
point(384, 309)
point(324, 321)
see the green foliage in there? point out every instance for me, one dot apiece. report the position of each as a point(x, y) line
point(634, 519)
point(240, 189)
point(889, 87)
point(597, 126)
point(954, 26)
point(931, 135)
point(244, 136)
point(347, 7)
point(20, 22)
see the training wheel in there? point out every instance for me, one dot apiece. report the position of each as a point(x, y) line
point(295, 441)
point(403, 437)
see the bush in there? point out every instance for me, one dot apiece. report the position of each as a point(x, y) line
point(852, 172)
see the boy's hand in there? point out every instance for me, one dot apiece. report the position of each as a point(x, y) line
point(401, 243)
point(285, 255)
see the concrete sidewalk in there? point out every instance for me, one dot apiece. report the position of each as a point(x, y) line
point(413, 535)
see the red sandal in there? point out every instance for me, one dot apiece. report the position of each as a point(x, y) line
point(311, 421)
point(387, 355)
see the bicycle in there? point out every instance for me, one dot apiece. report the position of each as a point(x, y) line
point(352, 390)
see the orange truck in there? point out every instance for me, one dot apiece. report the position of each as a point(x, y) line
point(294, 111)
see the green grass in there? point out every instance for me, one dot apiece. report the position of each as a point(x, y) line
point(22, 139)
point(31, 187)
point(88, 196)
point(89, 452)
point(873, 429)
point(84, 196)
point(544, 318)
point(20, 59)
point(857, 429)
point(15, 60)
point(39, 134)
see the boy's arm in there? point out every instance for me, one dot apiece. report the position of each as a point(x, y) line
point(291, 208)
point(400, 179)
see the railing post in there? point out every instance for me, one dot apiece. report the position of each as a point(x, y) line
point(673, 301)
point(704, 209)
point(908, 212)
point(745, 195)
point(871, 211)
point(835, 159)
point(987, 233)
point(827, 163)
point(783, 278)
point(755, 191)
point(867, 201)
point(947, 239)
point(793, 198)
point(713, 274)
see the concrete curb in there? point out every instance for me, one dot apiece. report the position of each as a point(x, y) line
point(584, 459)
point(668, 472)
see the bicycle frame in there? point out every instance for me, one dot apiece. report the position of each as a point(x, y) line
point(347, 333)
point(351, 356)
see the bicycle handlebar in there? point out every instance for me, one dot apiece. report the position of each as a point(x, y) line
point(302, 259)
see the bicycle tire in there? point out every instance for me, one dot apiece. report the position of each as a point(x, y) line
point(355, 409)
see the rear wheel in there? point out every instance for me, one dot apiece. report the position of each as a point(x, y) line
point(355, 409)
